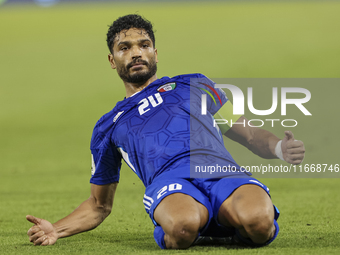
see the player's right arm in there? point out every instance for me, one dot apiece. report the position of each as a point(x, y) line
point(85, 217)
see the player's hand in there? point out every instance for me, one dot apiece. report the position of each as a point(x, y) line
point(42, 233)
point(293, 151)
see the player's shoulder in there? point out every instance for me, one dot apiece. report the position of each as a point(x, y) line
point(106, 121)
point(102, 129)
point(189, 76)
point(193, 79)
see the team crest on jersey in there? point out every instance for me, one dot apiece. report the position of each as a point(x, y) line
point(167, 87)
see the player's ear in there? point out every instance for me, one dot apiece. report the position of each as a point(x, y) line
point(112, 61)
point(156, 55)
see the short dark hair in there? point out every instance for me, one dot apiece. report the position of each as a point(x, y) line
point(125, 23)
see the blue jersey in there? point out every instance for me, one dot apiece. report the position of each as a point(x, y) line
point(161, 131)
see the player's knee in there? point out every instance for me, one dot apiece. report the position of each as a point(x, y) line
point(260, 225)
point(183, 232)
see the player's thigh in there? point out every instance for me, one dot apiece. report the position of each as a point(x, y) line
point(248, 203)
point(176, 202)
point(180, 209)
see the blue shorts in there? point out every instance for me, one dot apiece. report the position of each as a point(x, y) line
point(209, 192)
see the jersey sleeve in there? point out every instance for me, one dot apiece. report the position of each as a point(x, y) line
point(219, 105)
point(215, 106)
point(106, 160)
point(216, 97)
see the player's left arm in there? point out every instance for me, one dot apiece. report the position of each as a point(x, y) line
point(265, 144)
point(261, 142)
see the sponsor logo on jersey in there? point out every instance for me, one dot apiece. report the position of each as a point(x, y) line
point(117, 116)
point(167, 87)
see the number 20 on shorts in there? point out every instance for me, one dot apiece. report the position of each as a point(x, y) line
point(171, 187)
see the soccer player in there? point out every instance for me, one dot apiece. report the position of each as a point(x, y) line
point(160, 132)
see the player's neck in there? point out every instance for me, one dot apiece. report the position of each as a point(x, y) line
point(132, 88)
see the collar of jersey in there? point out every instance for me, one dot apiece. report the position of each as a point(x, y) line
point(136, 97)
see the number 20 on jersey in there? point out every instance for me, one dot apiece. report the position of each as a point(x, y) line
point(154, 100)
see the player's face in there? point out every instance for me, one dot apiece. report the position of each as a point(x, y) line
point(134, 56)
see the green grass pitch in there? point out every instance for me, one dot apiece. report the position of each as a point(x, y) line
point(55, 83)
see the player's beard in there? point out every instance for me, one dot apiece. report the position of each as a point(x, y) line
point(139, 77)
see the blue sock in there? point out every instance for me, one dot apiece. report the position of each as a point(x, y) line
point(247, 241)
point(158, 234)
